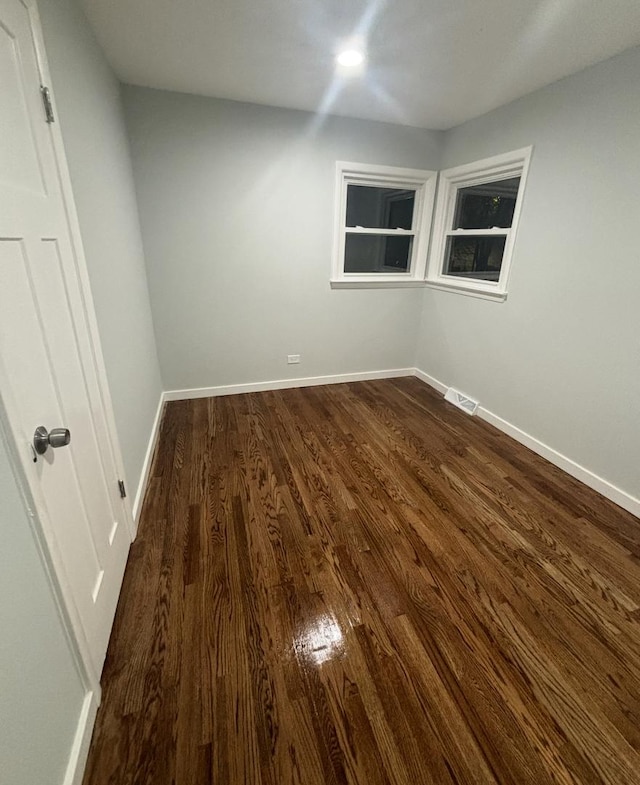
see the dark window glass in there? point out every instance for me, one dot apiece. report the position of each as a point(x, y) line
point(474, 257)
point(486, 206)
point(380, 208)
point(375, 253)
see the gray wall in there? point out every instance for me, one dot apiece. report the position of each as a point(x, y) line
point(91, 118)
point(41, 692)
point(236, 208)
point(560, 358)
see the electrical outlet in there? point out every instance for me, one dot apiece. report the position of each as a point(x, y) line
point(292, 359)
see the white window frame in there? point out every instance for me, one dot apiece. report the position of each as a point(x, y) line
point(499, 167)
point(423, 182)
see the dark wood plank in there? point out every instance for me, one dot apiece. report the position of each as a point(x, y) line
point(360, 585)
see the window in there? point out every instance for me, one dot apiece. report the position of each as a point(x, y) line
point(383, 218)
point(383, 215)
point(475, 224)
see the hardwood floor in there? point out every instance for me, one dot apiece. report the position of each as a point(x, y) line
point(361, 584)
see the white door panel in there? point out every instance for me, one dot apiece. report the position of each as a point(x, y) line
point(19, 163)
point(48, 371)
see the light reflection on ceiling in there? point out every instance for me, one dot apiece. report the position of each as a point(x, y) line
point(429, 63)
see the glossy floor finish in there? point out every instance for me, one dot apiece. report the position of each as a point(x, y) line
point(361, 584)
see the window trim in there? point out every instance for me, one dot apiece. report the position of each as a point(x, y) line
point(498, 167)
point(423, 182)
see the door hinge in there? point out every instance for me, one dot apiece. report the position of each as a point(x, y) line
point(123, 490)
point(48, 106)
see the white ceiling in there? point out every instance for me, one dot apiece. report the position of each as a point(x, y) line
point(431, 63)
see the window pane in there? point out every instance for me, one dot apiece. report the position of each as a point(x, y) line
point(380, 208)
point(375, 253)
point(485, 206)
point(474, 257)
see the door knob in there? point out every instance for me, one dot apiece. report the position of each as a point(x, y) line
point(43, 439)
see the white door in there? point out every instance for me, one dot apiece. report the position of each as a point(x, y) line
point(49, 365)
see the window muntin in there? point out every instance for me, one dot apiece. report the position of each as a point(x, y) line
point(475, 224)
point(383, 217)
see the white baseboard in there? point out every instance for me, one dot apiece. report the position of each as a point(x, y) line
point(81, 741)
point(148, 457)
point(439, 386)
point(589, 478)
point(284, 384)
point(599, 484)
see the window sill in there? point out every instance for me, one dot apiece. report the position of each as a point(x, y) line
point(380, 282)
point(482, 294)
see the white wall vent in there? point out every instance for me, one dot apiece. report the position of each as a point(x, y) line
point(467, 405)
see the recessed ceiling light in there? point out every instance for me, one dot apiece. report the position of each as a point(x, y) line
point(350, 58)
